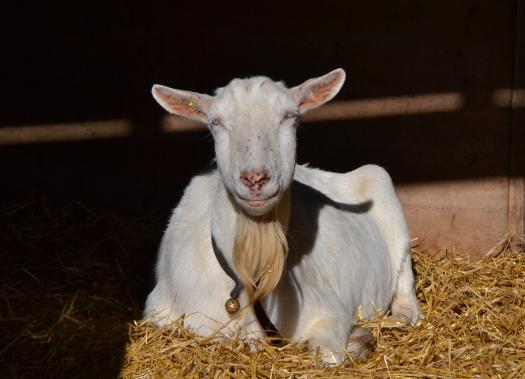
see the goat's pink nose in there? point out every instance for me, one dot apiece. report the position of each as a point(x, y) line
point(255, 180)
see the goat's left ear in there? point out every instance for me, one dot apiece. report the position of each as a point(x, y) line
point(317, 91)
point(183, 103)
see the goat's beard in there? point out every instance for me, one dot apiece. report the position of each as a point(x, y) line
point(259, 253)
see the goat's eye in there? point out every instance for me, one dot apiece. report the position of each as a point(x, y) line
point(289, 116)
point(215, 122)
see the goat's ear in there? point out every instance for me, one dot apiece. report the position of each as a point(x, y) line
point(317, 91)
point(183, 103)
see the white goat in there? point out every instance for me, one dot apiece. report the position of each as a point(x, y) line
point(347, 237)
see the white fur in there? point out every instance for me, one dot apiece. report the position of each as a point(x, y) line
point(349, 243)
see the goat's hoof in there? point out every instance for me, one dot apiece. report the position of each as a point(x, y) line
point(360, 344)
point(407, 312)
point(332, 358)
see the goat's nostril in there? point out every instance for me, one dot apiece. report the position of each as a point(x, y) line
point(255, 178)
point(246, 180)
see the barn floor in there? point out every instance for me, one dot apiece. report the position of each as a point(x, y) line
point(73, 281)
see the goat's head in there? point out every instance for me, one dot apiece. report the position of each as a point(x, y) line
point(253, 122)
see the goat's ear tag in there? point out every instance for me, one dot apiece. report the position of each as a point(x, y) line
point(183, 103)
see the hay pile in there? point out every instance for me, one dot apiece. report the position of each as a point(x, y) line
point(73, 281)
point(474, 326)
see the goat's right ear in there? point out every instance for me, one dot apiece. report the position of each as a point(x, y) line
point(183, 103)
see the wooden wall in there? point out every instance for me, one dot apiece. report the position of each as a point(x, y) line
point(429, 96)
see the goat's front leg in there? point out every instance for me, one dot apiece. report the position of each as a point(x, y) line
point(336, 343)
point(331, 338)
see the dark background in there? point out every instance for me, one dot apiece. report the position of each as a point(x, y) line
point(70, 62)
point(80, 221)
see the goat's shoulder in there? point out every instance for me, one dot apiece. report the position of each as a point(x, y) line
point(197, 199)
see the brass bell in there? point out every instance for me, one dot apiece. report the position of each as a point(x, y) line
point(232, 305)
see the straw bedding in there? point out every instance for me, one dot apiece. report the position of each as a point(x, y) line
point(73, 281)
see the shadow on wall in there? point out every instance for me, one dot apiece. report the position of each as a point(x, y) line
point(428, 137)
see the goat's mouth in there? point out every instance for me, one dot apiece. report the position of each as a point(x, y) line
point(258, 203)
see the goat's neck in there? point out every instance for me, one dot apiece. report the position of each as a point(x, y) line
point(225, 215)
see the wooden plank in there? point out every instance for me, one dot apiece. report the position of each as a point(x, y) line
point(516, 212)
point(465, 216)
